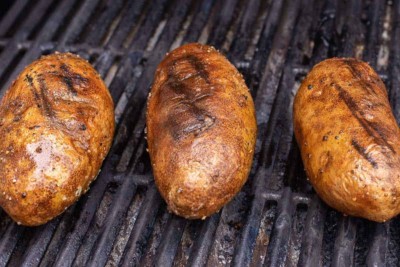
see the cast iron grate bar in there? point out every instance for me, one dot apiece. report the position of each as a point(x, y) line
point(12, 15)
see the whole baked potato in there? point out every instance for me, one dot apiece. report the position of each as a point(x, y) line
point(201, 130)
point(349, 139)
point(56, 125)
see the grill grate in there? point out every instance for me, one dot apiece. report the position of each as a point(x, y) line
point(276, 219)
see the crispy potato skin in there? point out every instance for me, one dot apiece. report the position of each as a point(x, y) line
point(201, 130)
point(57, 125)
point(349, 139)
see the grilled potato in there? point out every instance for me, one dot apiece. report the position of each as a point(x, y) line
point(349, 139)
point(57, 125)
point(201, 130)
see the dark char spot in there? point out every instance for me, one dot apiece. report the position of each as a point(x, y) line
point(352, 65)
point(46, 103)
point(362, 151)
point(70, 78)
point(373, 129)
point(36, 95)
point(197, 119)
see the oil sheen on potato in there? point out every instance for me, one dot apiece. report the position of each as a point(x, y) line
point(56, 125)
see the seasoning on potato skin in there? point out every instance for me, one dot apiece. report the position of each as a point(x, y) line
point(57, 125)
point(353, 137)
point(201, 130)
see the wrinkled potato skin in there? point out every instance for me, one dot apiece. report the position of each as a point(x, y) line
point(349, 139)
point(57, 125)
point(201, 130)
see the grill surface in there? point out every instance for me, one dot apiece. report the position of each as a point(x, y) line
point(276, 219)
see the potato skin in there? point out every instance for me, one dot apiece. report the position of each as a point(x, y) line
point(349, 139)
point(57, 125)
point(201, 130)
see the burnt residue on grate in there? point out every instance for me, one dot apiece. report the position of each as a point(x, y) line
point(276, 219)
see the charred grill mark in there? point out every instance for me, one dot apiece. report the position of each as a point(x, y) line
point(353, 69)
point(198, 66)
point(363, 152)
point(33, 127)
point(36, 96)
point(70, 86)
point(47, 107)
point(41, 97)
point(198, 98)
point(371, 128)
point(204, 123)
point(29, 79)
point(189, 98)
point(351, 64)
point(70, 78)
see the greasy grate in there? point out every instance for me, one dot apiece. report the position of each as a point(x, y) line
point(276, 220)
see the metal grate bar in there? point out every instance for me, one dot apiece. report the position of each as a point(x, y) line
point(344, 243)
point(312, 241)
point(267, 177)
point(169, 241)
point(97, 29)
point(244, 248)
point(11, 16)
point(394, 94)
point(123, 75)
point(375, 15)
point(153, 18)
point(379, 247)
point(114, 218)
point(31, 21)
point(133, 142)
point(37, 245)
point(80, 19)
point(305, 32)
point(272, 73)
point(9, 241)
point(104, 63)
point(45, 34)
point(199, 21)
point(130, 18)
point(223, 19)
point(11, 50)
point(278, 245)
point(201, 247)
point(143, 227)
point(260, 58)
point(58, 237)
point(243, 35)
point(352, 30)
point(112, 222)
point(324, 33)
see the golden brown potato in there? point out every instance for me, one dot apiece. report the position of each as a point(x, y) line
point(201, 130)
point(349, 139)
point(56, 125)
